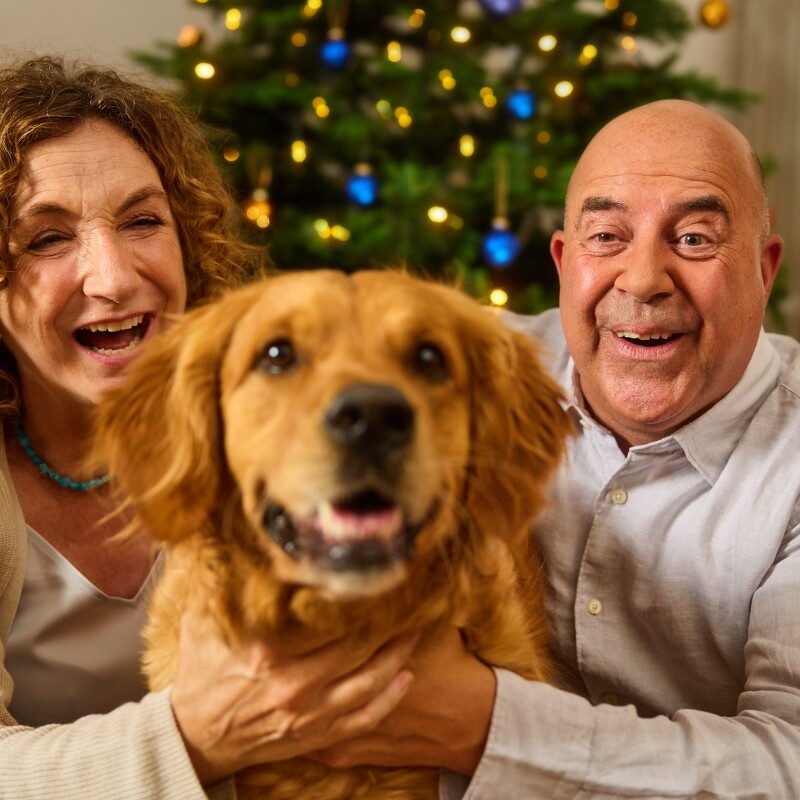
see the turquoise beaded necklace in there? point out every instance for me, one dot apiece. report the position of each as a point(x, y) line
point(48, 472)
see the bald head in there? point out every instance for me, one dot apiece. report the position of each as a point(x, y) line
point(665, 264)
point(675, 137)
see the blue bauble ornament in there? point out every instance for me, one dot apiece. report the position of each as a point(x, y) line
point(362, 187)
point(501, 7)
point(335, 51)
point(500, 247)
point(521, 104)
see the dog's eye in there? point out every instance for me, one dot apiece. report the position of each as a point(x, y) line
point(277, 357)
point(429, 361)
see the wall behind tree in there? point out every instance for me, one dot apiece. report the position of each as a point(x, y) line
point(755, 50)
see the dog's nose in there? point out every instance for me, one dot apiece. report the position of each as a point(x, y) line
point(370, 416)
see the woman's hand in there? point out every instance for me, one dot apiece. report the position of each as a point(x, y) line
point(442, 721)
point(269, 701)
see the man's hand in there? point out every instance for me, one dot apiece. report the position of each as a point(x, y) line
point(443, 720)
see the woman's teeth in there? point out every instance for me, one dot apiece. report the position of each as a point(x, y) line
point(113, 338)
point(122, 325)
point(114, 352)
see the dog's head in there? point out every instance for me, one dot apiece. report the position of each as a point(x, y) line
point(355, 423)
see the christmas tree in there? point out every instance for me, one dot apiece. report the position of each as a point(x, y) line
point(438, 135)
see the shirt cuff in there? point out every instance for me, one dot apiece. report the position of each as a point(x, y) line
point(539, 744)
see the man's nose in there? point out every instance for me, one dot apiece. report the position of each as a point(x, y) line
point(645, 272)
point(109, 268)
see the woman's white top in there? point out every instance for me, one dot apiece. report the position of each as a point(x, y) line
point(73, 650)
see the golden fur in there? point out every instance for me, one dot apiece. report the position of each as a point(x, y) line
point(228, 415)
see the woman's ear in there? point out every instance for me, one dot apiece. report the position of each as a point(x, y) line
point(159, 433)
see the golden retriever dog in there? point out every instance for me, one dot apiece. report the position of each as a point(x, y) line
point(341, 453)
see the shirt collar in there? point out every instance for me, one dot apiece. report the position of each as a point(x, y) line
point(709, 440)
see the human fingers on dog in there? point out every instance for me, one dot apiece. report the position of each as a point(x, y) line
point(432, 725)
point(243, 704)
point(359, 700)
point(361, 665)
point(311, 701)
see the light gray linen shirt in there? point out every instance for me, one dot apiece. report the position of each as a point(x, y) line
point(674, 596)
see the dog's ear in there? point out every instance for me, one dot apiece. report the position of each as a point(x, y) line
point(159, 434)
point(519, 431)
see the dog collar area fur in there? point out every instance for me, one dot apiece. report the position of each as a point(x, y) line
point(62, 480)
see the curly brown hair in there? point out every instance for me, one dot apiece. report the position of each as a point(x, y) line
point(44, 98)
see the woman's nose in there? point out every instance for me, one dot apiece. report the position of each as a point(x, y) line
point(645, 273)
point(109, 268)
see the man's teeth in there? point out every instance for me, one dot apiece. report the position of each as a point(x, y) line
point(645, 337)
point(122, 325)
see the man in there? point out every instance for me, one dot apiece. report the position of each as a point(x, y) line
point(672, 539)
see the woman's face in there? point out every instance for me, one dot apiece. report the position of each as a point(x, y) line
point(97, 265)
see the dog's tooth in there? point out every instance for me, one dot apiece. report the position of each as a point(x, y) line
point(325, 517)
point(333, 524)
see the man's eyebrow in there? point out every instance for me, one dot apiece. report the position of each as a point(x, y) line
point(706, 202)
point(598, 203)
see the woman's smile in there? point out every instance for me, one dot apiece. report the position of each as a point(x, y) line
point(98, 267)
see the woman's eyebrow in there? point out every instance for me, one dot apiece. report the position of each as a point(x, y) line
point(142, 194)
point(37, 209)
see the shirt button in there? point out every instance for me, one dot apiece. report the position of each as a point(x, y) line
point(619, 497)
point(594, 607)
point(584, 423)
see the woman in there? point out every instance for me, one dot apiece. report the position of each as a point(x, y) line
point(113, 219)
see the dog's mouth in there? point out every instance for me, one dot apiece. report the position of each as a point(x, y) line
point(363, 532)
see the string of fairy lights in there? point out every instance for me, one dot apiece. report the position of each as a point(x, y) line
point(499, 247)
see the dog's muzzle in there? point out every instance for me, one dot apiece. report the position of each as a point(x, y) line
point(371, 426)
point(307, 539)
point(364, 529)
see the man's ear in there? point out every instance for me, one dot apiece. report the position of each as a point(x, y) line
point(771, 256)
point(557, 250)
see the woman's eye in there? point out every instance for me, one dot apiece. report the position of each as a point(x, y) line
point(45, 240)
point(145, 222)
point(430, 362)
point(277, 357)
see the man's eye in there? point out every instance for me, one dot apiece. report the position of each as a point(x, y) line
point(693, 239)
point(605, 237)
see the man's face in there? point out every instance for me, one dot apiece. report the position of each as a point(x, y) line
point(663, 275)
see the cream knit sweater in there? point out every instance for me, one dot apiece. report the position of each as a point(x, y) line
point(133, 753)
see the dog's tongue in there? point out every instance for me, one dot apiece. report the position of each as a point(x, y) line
point(339, 524)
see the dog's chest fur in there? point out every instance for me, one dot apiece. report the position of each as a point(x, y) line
point(318, 436)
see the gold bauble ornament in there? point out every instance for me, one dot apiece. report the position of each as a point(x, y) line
point(715, 13)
